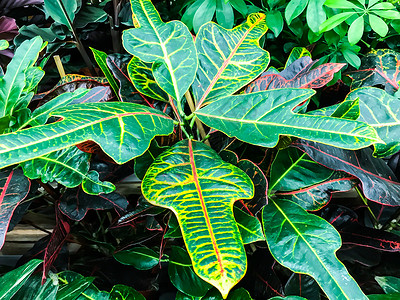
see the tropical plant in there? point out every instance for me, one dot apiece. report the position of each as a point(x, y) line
point(231, 157)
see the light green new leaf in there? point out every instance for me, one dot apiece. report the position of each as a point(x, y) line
point(168, 46)
point(123, 131)
point(13, 82)
point(69, 167)
point(228, 59)
point(3, 45)
point(142, 78)
point(200, 188)
point(62, 11)
point(382, 112)
point(356, 30)
point(306, 244)
point(101, 59)
point(260, 118)
point(12, 281)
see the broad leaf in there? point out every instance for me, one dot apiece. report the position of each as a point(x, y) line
point(302, 285)
point(379, 67)
point(307, 244)
point(141, 258)
point(261, 118)
point(378, 180)
point(12, 281)
point(295, 54)
point(316, 196)
point(381, 111)
point(168, 46)
point(143, 162)
point(75, 203)
point(249, 226)
point(13, 82)
point(62, 11)
point(14, 187)
point(123, 130)
point(101, 59)
point(389, 284)
point(297, 75)
point(69, 167)
point(72, 285)
point(182, 276)
point(123, 292)
point(193, 181)
point(232, 62)
point(34, 290)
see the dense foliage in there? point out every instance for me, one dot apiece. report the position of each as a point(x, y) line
point(263, 174)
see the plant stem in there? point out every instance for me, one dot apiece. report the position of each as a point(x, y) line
point(366, 203)
point(199, 125)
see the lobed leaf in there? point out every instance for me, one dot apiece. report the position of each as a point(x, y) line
point(200, 188)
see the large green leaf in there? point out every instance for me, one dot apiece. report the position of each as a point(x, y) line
point(34, 290)
point(123, 131)
point(62, 11)
point(13, 82)
point(123, 292)
point(169, 46)
point(306, 244)
point(200, 188)
point(228, 59)
point(260, 118)
point(12, 281)
point(382, 112)
point(70, 167)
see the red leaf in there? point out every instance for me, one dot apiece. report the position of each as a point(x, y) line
point(14, 187)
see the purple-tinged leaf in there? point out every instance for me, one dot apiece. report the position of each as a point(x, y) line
point(14, 187)
point(75, 203)
point(378, 180)
point(297, 75)
point(378, 68)
point(11, 4)
point(8, 28)
point(96, 94)
point(56, 242)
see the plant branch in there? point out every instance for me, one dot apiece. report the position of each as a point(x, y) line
point(199, 125)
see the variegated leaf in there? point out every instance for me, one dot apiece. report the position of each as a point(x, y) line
point(228, 59)
point(200, 188)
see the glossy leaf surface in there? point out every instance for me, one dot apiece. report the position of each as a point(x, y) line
point(123, 292)
point(200, 188)
point(69, 167)
point(381, 111)
point(141, 258)
point(249, 226)
point(307, 244)
point(72, 285)
point(297, 75)
point(378, 180)
point(123, 130)
point(62, 11)
point(260, 118)
point(378, 67)
point(12, 281)
point(168, 46)
point(14, 188)
point(34, 290)
point(228, 59)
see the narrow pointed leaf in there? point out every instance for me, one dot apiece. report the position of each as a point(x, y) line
point(168, 46)
point(306, 244)
point(389, 284)
point(316, 196)
point(231, 63)
point(378, 180)
point(12, 281)
point(123, 131)
point(382, 112)
point(200, 188)
point(101, 59)
point(378, 67)
point(14, 188)
point(69, 167)
point(260, 118)
point(13, 82)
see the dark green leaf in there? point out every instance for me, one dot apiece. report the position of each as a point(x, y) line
point(302, 285)
point(389, 284)
point(249, 226)
point(123, 292)
point(72, 285)
point(139, 257)
point(62, 11)
point(143, 162)
point(274, 21)
point(89, 14)
point(34, 290)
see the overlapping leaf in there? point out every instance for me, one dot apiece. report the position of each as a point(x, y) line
point(14, 187)
point(200, 188)
point(295, 54)
point(382, 112)
point(378, 180)
point(168, 46)
point(308, 249)
point(297, 75)
point(75, 203)
point(379, 67)
point(62, 11)
point(316, 196)
point(123, 130)
point(69, 167)
point(232, 62)
point(260, 118)
point(13, 82)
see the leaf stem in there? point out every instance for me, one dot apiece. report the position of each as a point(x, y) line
point(199, 125)
point(366, 203)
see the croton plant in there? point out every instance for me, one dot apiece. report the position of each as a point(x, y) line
point(247, 163)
